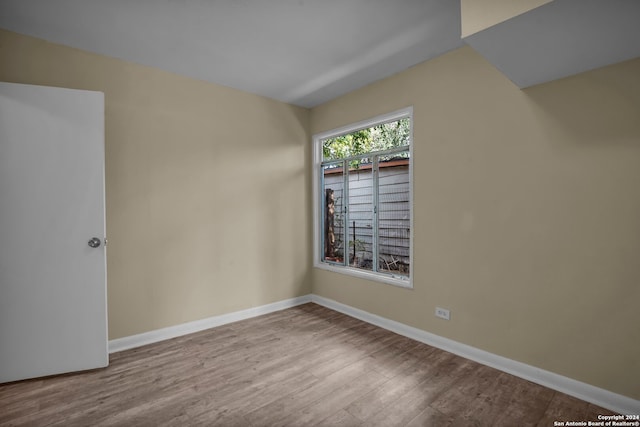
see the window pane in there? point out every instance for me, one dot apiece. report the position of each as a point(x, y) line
point(377, 138)
point(390, 135)
point(394, 219)
point(333, 213)
point(360, 215)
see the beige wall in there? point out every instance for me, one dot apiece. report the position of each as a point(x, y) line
point(527, 214)
point(206, 187)
point(478, 15)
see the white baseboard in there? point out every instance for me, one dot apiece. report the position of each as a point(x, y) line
point(597, 396)
point(126, 343)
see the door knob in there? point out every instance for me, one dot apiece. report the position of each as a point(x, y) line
point(94, 242)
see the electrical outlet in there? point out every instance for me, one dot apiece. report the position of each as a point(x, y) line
point(443, 313)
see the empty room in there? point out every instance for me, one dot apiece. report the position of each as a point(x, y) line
point(307, 212)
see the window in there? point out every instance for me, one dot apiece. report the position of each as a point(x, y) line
point(363, 199)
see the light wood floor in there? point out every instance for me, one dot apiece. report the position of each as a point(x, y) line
point(307, 365)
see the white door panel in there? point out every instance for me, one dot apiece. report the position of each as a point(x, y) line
point(53, 315)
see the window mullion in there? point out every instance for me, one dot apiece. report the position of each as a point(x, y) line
point(374, 191)
point(345, 225)
point(323, 213)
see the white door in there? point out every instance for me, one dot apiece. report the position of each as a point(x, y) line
point(53, 316)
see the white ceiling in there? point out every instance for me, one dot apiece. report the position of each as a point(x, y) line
point(561, 38)
point(303, 52)
point(306, 52)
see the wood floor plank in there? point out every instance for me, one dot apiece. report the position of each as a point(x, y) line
point(594, 410)
point(341, 418)
point(337, 400)
point(563, 407)
point(511, 399)
point(283, 407)
point(568, 408)
point(466, 389)
point(307, 365)
point(432, 417)
point(395, 388)
point(407, 407)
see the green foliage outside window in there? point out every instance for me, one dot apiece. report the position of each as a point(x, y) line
point(377, 138)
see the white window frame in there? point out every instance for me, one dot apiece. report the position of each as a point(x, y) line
point(317, 139)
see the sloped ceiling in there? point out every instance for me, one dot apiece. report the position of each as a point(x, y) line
point(307, 52)
point(561, 38)
point(303, 52)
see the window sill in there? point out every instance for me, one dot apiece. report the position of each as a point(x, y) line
point(401, 282)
